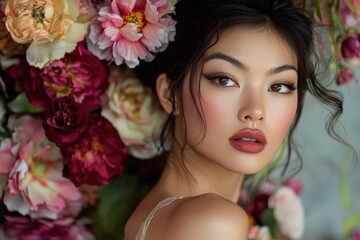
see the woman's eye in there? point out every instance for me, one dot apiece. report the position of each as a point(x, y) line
point(222, 81)
point(282, 88)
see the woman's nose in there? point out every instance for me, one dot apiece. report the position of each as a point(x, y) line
point(251, 108)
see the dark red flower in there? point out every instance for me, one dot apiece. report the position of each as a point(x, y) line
point(350, 49)
point(65, 121)
point(98, 156)
point(345, 76)
point(24, 228)
point(79, 74)
point(257, 206)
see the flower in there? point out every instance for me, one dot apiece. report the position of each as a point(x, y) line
point(51, 27)
point(7, 159)
point(36, 186)
point(355, 234)
point(296, 185)
point(345, 76)
point(65, 121)
point(98, 156)
point(130, 31)
point(135, 113)
point(257, 206)
point(8, 47)
point(288, 212)
point(259, 233)
point(26, 228)
point(350, 49)
point(71, 76)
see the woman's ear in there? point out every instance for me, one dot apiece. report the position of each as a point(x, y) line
point(162, 90)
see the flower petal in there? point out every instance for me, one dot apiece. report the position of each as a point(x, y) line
point(151, 13)
point(129, 32)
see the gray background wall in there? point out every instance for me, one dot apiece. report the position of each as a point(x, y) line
point(324, 212)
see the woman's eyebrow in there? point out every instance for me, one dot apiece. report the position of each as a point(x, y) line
point(227, 58)
point(282, 68)
point(242, 66)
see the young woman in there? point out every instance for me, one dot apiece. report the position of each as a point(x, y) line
point(233, 84)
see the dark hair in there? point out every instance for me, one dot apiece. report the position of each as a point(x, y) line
point(199, 22)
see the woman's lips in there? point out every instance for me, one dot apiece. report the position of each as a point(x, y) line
point(248, 140)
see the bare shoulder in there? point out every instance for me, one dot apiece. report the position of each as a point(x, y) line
point(207, 216)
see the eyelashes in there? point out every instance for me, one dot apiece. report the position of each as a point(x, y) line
point(221, 80)
point(225, 81)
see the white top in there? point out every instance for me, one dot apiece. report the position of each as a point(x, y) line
point(144, 226)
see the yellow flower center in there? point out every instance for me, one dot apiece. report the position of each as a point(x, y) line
point(38, 167)
point(38, 14)
point(137, 18)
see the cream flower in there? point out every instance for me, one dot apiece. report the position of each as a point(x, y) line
point(52, 27)
point(135, 113)
point(288, 212)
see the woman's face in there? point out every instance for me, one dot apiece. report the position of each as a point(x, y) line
point(248, 99)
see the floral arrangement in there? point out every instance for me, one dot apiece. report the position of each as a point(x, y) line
point(76, 122)
point(341, 19)
point(72, 118)
point(275, 211)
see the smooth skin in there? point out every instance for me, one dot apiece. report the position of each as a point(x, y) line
point(249, 80)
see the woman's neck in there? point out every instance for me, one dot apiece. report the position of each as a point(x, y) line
point(196, 176)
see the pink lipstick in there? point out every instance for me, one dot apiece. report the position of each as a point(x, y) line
point(248, 140)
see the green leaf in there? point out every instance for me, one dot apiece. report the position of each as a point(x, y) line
point(21, 104)
point(350, 223)
point(118, 200)
point(344, 186)
point(268, 219)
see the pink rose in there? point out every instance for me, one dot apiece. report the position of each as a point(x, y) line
point(296, 185)
point(355, 234)
point(98, 156)
point(65, 229)
point(345, 76)
point(73, 75)
point(350, 49)
point(288, 212)
point(65, 121)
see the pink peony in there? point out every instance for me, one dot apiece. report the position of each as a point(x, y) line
point(73, 75)
point(7, 159)
point(36, 186)
point(99, 155)
point(288, 212)
point(133, 30)
point(65, 121)
point(65, 229)
point(350, 49)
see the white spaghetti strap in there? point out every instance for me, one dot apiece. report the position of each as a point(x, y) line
point(144, 226)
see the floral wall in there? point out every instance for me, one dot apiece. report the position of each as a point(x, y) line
point(76, 124)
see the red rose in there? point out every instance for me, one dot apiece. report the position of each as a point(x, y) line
point(98, 156)
point(65, 121)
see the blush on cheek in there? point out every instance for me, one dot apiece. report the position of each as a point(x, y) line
point(284, 120)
